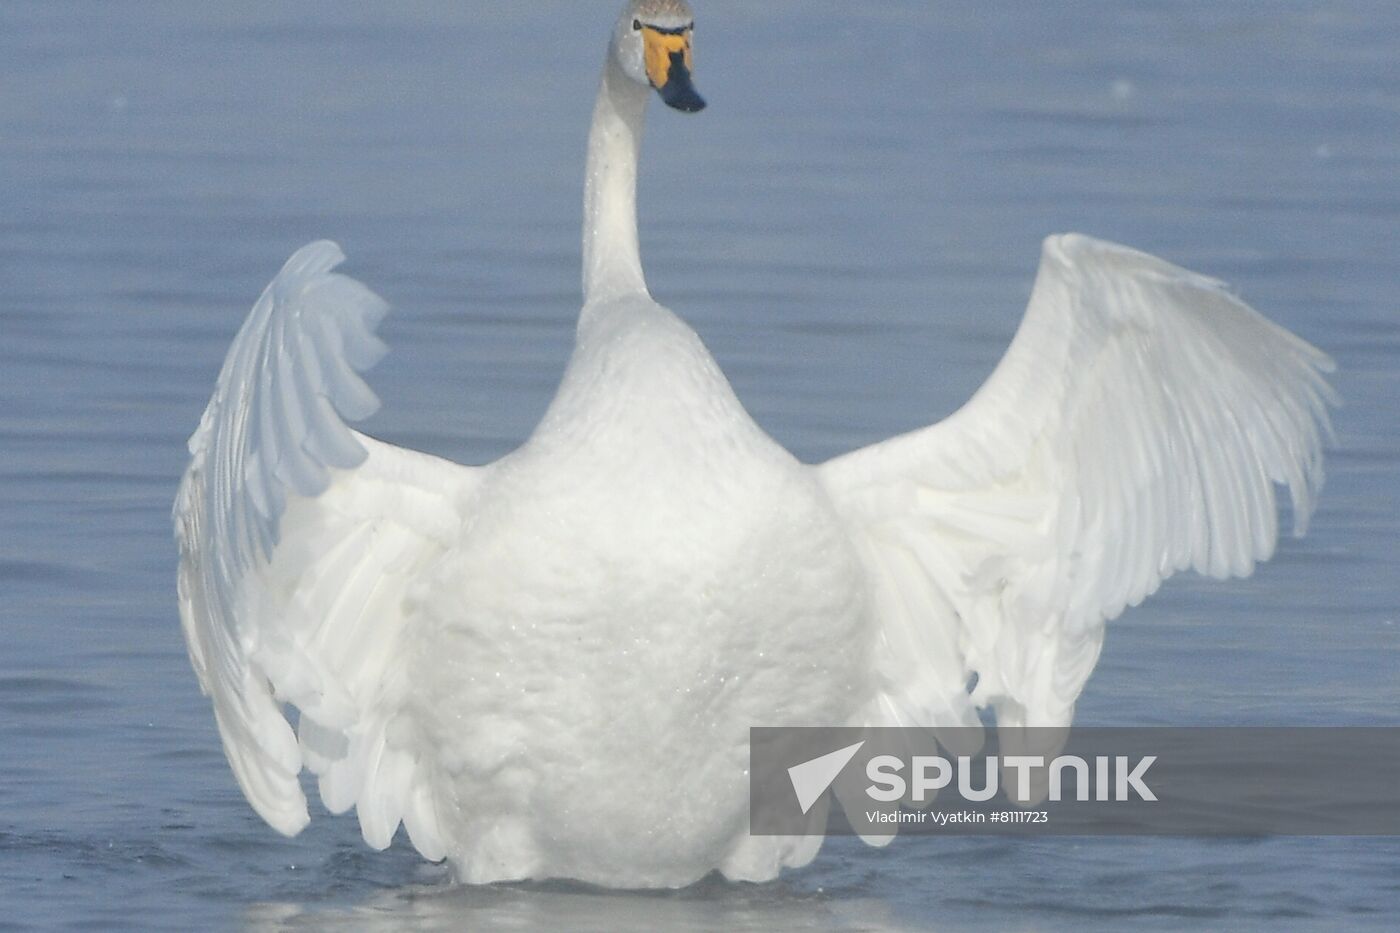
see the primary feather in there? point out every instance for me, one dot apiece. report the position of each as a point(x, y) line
point(299, 539)
point(1136, 427)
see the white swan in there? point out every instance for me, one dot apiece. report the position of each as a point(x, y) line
point(548, 666)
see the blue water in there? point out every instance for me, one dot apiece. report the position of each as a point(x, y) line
point(852, 226)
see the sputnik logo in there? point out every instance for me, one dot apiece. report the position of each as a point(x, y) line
point(812, 778)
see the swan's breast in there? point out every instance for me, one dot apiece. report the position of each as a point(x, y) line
point(644, 582)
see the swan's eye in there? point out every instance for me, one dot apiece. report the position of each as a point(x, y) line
point(636, 25)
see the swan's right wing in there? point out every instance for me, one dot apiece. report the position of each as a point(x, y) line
point(1136, 427)
point(299, 542)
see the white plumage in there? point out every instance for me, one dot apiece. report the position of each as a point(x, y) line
point(548, 666)
point(1136, 427)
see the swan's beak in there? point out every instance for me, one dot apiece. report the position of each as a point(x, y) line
point(668, 66)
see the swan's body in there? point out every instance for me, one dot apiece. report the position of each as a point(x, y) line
point(548, 666)
point(623, 638)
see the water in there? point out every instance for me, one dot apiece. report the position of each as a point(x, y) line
point(852, 226)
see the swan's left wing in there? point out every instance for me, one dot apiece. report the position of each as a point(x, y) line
point(1135, 427)
point(300, 540)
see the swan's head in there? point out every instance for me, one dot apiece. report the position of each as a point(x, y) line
point(652, 46)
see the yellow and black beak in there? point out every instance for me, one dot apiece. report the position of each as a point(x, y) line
point(668, 66)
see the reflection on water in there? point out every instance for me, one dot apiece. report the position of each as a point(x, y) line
point(708, 907)
point(852, 226)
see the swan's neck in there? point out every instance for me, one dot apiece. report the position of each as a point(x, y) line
point(612, 263)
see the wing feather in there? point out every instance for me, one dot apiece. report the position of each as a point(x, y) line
point(299, 539)
point(1136, 427)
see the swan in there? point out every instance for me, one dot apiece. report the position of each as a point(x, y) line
point(547, 667)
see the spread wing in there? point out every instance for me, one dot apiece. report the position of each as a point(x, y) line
point(298, 541)
point(1136, 427)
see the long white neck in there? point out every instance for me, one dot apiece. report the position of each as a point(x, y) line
point(612, 262)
